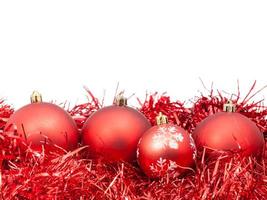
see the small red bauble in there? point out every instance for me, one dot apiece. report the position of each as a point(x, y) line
point(229, 131)
point(166, 148)
point(114, 131)
point(45, 124)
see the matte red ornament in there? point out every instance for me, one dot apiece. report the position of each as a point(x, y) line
point(41, 123)
point(229, 131)
point(166, 148)
point(114, 131)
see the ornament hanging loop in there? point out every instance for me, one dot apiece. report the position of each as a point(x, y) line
point(120, 100)
point(161, 119)
point(36, 97)
point(229, 106)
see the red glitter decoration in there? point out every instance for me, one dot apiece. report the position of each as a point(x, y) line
point(206, 105)
point(174, 110)
point(36, 175)
point(5, 112)
point(82, 111)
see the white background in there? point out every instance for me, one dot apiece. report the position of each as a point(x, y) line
point(57, 47)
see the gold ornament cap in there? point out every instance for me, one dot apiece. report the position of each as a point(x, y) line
point(120, 100)
point(229, 106)
point(161, 119)
point(36, 97)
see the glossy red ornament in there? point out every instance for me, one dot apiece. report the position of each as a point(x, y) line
point(41, 123)
point(166, 148)
point(114, 131)
point(229, 131)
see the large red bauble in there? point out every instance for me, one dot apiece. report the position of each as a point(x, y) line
point(44, 124)
point(164, 149)
point(227, 131)
point(113, 132)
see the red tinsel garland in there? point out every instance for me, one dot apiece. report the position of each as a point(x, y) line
point(82, 111)
point(5, 112)
point(60, 175)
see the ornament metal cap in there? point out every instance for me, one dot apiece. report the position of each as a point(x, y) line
point(161, 119)
point(120, 100)
point(229, 106)
point(36, 97)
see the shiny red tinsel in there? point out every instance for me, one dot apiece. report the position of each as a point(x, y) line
point(36, 175)
point(5, 112)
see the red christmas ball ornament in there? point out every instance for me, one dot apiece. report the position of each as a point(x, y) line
point(114, 131)
point(229, 131)
point(46, 124)
point(166, 148)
